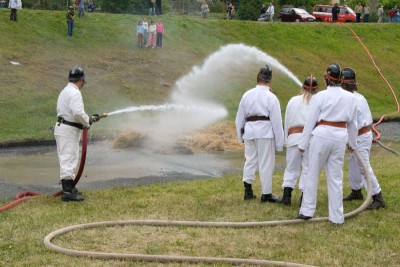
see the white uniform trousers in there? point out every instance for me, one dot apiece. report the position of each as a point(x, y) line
point(296, 165)
point(68, 155)
point(356, 171)
point(326, 153)
point(259, 153)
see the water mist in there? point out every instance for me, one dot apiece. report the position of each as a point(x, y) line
point(196, 98)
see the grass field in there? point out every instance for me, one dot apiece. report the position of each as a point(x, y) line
point(119, 74)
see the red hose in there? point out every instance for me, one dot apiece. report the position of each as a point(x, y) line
point(378, 135)
point(20, 197)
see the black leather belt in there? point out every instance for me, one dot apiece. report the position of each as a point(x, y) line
point(257, 118)
point(73, 124)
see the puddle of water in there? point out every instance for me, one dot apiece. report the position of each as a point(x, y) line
point(39, 165)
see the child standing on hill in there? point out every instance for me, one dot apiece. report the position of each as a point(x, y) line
point(140, 34)
point(160, 33)
point(152, 35)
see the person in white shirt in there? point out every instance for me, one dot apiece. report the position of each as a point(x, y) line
point(331, 124)
point(72, 118)
point(145, 25)
point(271, 11)
point(295, 118)
point(259, 125)
point(13, 5)
point(364, 142)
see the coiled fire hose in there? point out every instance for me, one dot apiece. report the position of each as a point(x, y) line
point(20, 197)
point(187, 259)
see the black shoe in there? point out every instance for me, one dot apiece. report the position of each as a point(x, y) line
point(76, 191)
point(270, 198)
point(248, 192)
point(354, 195)
point(68, 194)
point(287, 196)
point(377, 202)
point(302, 217)
point(71, 197)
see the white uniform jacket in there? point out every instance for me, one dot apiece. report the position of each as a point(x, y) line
point(260, 101)
point(295, 116)
point(15, 4)
point(364, 117)
point(70, 107)
point(334, 105)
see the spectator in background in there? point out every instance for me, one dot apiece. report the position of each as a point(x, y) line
point(335, 12)
point(90, 7)
point(366, 13)
point(2, 3)
point(13, 5)
point(396, 14)
point(152, 35)
point(204, 10)
point(152, 7)
point(81, 8)
point(146, 29)
point(391, 15)
point(271, 11)
point(70, 20)
point(358, 10)
point(229, 10)
point(140, 34)
point(160, 33)
point(380, 13)
point(263, 9)
point(233, 12)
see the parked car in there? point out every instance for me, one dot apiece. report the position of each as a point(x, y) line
point(323, 13)
point(291, 14)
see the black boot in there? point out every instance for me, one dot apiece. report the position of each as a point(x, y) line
point(287, 196)
point(248, 192)
point(270, 198)
point(68, 194)
point(354, 195)
point(377, 202)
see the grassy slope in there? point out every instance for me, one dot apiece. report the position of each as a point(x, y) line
point(119, 74)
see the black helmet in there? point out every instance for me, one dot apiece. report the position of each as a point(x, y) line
point(265, 74)
point(348, 76)
point(333, 72)
point(310, 84)
point(348, 79)
point(76, 74)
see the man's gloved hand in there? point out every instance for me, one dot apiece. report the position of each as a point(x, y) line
point(94, 118)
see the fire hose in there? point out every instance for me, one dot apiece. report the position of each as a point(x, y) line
point(23, 196)
point(378, 135)
point(187, 259)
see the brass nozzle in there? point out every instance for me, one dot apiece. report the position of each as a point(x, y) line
point(103, 115)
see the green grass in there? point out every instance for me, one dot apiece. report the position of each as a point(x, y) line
point(119, 74)
point(369, 239)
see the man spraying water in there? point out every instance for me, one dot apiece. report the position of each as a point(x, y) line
point(71, 119)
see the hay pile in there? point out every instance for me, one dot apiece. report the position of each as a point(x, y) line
point(128, 140)
point(217, 138)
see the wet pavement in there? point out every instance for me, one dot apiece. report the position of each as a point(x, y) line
point(35, 168)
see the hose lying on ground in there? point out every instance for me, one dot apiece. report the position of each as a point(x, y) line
point(186, 259)
point(20, 197)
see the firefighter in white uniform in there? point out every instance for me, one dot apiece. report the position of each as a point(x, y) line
point(331, 123)
point(364, 142)
point(295, 118)
point(67, 131)
point(259, 126)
